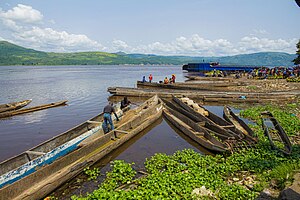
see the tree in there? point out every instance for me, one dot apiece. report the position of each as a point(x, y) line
point(297, 60)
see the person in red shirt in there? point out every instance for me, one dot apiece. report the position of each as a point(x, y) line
point(150, 78)
point(173, 78)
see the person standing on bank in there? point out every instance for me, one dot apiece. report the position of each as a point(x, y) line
point(108, 110)
point(150, 78)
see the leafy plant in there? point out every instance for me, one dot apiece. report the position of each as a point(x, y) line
point(92, 173)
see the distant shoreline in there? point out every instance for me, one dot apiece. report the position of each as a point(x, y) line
point(13, 55)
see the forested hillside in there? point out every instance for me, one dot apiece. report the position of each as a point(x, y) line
point(11, 54)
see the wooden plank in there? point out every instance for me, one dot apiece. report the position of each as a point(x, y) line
point(32, 109)
point(35, 153)
point(121, 131)
point(228, 126)
point(94, 122)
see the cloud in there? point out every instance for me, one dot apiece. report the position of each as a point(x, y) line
point(199, 46)
point(57, 40)
point(12, 25)
point(254, 44)
point(24, 26)
point(23, 14)
point(119, 45)
point(195, 45)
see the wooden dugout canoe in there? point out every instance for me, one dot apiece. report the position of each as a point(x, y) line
point(229, 115)
point(206, 78)
point(194, 131)
point(200, 112)
point(72, 137)
point(187, 86)
point(205, 96)
point(212, 128)
point(14, 105)
point(276, 135)
point(32, 109)
point(89, 150)
point(205, 115)
point(227, 137)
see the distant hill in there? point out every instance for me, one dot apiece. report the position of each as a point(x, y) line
point(11, 54)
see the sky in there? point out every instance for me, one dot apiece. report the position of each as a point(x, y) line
point(162, 27)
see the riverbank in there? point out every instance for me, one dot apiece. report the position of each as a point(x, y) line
point(250, 85)
point(227, 91)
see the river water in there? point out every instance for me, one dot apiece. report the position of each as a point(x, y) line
point(83, 86)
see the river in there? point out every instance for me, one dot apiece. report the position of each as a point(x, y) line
point(83, 86)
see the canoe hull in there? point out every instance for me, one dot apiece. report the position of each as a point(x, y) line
point(32, 109)
point(219, 131)
point(229, 115)
point(49, 177)
point(280, 132)
point(186, 86)
point(193, 130)
point(14, 105)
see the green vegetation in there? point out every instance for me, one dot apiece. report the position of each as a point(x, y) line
point(11, 54)
point(293, 79)
point(177, 176)
point(251, 87)
point(297, 60)
point(92, 173)
point(286, 116)
point(241, 175)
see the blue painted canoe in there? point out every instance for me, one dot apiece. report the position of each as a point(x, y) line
point(26, 163)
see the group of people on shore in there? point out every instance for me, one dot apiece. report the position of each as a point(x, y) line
point(150, 78)
point(170, 80)
point(165, 81)
point(216, 73)
point(262, 73)
point(219, 73)
point(276, 72)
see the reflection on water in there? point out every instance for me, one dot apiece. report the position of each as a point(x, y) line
point(35, 118)
point(218, 110)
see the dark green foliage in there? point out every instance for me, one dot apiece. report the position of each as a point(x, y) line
point(11, 54)
point(297, 60)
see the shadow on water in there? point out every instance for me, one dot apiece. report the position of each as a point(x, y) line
point(160, 137)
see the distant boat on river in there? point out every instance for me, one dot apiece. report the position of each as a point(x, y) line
point(205, 67)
